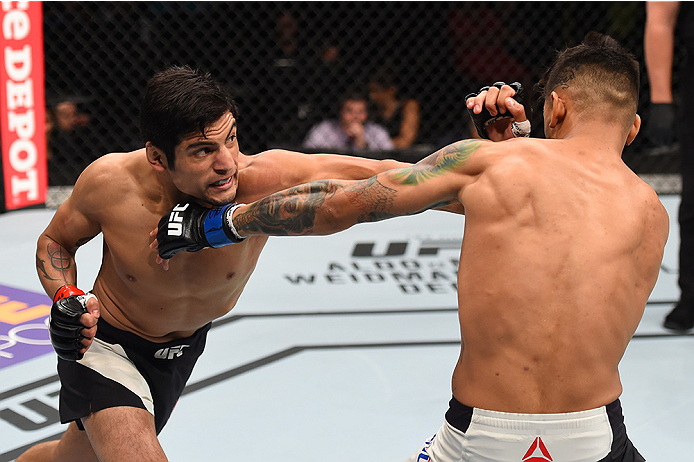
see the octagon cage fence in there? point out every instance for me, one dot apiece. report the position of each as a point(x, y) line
point(289, 64)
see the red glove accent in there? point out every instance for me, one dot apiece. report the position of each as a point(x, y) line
point(66, 291)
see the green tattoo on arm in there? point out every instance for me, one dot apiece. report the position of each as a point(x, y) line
point(294, 211)
point(443, 160)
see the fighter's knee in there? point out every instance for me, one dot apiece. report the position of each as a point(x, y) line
point(43, 452)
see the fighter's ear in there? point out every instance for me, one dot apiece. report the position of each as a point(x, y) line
point(156, 157)
point(634, 130)
point(558, 110)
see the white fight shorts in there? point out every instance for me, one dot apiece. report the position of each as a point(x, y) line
point(471, 434)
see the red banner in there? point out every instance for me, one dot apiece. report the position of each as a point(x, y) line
point(22, 104)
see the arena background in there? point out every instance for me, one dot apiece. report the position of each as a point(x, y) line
point(288, 63)
point(341, 347)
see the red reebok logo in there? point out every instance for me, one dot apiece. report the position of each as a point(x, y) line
point(538, 452)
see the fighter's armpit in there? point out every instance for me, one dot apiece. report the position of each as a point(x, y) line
point(80, 242)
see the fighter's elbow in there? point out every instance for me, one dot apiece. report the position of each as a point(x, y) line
point(332, 219)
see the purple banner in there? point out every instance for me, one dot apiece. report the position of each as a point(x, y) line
point(23, 321)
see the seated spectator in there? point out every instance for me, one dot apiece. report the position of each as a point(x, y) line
point(399, 116)
point(70, 145)
point(351, 131)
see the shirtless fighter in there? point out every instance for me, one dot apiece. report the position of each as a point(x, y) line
point(192, 153)
point(562, 247)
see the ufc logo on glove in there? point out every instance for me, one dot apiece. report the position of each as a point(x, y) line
point(175, 220)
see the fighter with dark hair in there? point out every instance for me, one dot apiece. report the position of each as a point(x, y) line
point(152, 324)
point(561, 250)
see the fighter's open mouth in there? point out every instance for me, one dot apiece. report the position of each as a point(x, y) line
point(221, 182)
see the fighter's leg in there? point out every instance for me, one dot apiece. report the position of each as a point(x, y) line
point(124, 433)
point(73, 446)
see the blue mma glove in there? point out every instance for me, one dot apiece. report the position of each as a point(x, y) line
point(191, 227)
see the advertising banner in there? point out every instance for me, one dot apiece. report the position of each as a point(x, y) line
point(22, 104)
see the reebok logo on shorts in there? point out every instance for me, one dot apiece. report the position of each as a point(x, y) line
point(170, 352)
point(537, 452)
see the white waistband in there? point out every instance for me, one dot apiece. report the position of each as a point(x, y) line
point(494, 436)
point(507, 421)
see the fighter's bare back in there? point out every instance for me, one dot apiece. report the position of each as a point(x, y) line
point(552, 219)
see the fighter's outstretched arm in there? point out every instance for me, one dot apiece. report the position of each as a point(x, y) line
point(329, 206)
point(325, 206)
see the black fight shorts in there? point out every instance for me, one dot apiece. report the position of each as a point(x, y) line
point(122, 369)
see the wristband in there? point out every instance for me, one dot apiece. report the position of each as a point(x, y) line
point(230, 222)
point(521, 128)
point(215, 230)
point(66, 291)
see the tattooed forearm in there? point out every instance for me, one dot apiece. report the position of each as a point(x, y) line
point(294, 211)
point(297, 211)
point(41, 269)
point(289, 212)
point(60, 260)
point(438, 163)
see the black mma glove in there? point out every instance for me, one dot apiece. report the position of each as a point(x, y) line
point(64, 325)
point(192, 227)
point(661, 124)
point(484, 118)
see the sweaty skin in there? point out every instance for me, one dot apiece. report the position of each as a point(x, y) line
point(123, 196)
point(561, 249)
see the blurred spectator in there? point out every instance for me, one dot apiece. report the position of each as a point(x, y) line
point(327, 81)
point(659, 47)
point(479, 42)
point(399, 116)
point(287, 102)
point(69, 142)
point(351, 131)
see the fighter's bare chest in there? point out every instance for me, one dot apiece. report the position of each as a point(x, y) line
point(128, 257)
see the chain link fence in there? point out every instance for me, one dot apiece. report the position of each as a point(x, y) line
point(288, 65)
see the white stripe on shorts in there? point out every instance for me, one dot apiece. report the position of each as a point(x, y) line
point(111, 361)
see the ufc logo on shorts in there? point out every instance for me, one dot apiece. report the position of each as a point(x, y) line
point(171, 352)
point(175, 219)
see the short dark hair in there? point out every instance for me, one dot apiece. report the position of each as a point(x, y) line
point(179, 101)
point(384, 78)
point(353, 95)
point(599, 70)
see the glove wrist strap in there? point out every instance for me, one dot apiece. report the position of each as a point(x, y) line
point(218, 233)
point(66, 291)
